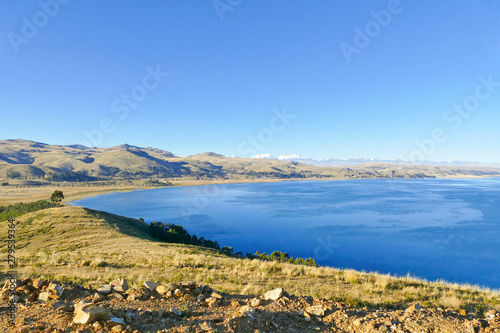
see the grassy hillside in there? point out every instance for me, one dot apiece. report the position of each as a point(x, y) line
point(22, 160)
point(93, 247)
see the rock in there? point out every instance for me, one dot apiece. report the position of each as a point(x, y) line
point(247, 310)
point(33, 296)
point(105, 289)
point(151, 285)
point(176, 312)
point(39, 283)
point(162, 289)
point(117, 296)
point(189, 285)
point(216, 295)
point(97, 298)
point(188, 297)
point(316, 310)
point(24, 329)
point(120, 285)
point(413, 308)
point(206, 326)
point(114, 321)
point(197, 291)
point(178, 293)
point(89, 314)
point(462, 312)
point(43, 297)
point(172, 287)
point(255, 302)
point(273, 294)
point(56, 289)
point(206, 289)
point(212, 302)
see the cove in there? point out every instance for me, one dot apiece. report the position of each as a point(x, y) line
point(430, 228)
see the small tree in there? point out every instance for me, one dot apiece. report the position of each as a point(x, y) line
point(57, 196)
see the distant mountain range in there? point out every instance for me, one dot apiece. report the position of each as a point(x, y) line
point(330, 162)
point(23, 160)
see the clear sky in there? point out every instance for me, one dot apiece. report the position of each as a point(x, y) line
point(383, 79)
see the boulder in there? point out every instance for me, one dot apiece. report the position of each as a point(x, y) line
point(162, 289)
point(120, 285)
point(105, 289)
point(44, 297)
point(255, 302)
point(56, 289)
point(178, 293)
point(212, 302)
point(413, 308)
point(216, 295)
point(316, 310)
point(89, 314)
point(247, 310)
point(273, 294)
point(151, 285)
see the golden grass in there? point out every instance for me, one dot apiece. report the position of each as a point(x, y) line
point(94, 247)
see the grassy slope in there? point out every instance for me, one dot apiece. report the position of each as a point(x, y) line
point(94, 247)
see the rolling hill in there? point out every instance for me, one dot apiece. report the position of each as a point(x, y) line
point(34, 161)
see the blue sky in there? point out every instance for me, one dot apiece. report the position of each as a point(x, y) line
point(381, 79)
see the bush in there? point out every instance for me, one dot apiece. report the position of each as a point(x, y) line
point(15, 210)
point(5, 184)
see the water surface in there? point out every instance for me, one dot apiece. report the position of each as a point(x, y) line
point(431, 228)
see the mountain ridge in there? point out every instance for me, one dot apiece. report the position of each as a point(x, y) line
point(35, 161)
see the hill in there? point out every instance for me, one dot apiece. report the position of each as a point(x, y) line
point(39, 163)
point(91, 248)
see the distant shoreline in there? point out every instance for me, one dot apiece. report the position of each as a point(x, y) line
point(11, 194)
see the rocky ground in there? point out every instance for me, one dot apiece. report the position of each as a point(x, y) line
point(50, 306)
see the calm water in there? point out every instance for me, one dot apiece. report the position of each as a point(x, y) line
point(432, 228)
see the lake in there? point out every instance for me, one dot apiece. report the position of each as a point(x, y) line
point(431, 228)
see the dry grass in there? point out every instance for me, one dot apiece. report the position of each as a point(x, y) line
point(93, 247)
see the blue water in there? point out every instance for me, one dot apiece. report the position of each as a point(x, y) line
point(431, 228)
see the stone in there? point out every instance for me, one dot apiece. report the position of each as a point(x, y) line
point(98, 297)
point(247, 310)
point(212, 302)
point(33, 296)
point(178, 293)
point(206, 327)
point(114, 321)
point(162, 289)
point(105, 289)
point(90, 314)
point(176, 312)
point(216, 295)
point(56, 289)
point(413, 308)
point(151, 285)
point(316, 310)
point(117, 296)
point(188, 297)
point(255, 302)
point(273, 294)
point(206, 289)
point(462, 312)
point(189, 285)
point(120, 285)
point(43, 297)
